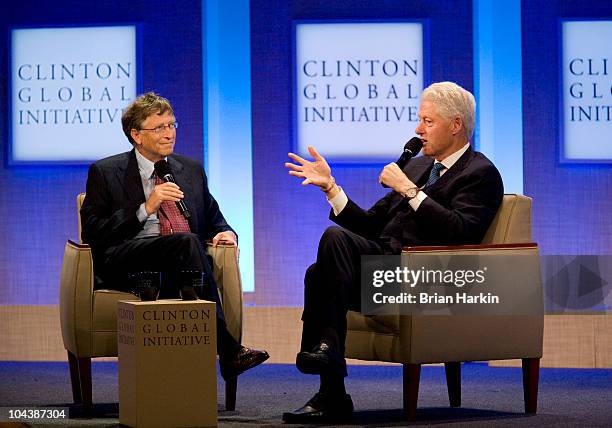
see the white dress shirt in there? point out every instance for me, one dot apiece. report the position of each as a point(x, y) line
point(146, 169)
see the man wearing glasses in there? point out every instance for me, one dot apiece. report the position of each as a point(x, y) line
point(132, 223)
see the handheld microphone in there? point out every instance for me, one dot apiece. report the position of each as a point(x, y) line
point(411, 149)
point(162, 169)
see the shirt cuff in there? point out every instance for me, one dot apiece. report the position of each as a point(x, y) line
point(338, 202)
point(415, 202)
point(142, 213)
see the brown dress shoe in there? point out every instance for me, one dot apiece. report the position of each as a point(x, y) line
point(244, 360)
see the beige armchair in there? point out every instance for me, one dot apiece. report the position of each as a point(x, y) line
point(88, 316)
point(421, 339)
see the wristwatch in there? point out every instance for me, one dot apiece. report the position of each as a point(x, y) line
point(411, 192)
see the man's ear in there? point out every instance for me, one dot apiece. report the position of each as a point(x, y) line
point(457, 125)
point(135, 135)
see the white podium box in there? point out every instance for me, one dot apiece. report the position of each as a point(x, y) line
point(167, 363)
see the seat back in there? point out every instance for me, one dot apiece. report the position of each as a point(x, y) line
point(76, 290)
point(80, 199)
point(512, 223)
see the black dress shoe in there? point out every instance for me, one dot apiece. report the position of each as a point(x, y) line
point(244, 360)
point(322, 360)
point(321, 408)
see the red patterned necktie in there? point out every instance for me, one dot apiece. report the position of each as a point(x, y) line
point(170, 218)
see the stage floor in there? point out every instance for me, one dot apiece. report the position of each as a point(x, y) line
point(491, 396)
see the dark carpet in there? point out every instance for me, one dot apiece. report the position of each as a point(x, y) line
point(490, 396)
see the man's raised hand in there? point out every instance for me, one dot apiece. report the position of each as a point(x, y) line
point(316, 172)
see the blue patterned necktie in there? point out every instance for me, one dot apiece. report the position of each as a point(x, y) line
point(434, 175)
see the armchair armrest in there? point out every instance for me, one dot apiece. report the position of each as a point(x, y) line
point(76, 289)
point(227, 277)
point(471, 247)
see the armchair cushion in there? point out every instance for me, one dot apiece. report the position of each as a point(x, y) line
point(378, 323)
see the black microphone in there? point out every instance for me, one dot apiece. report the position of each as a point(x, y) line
point(411, 149)
point(162, 169)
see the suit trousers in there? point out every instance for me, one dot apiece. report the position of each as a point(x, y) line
point(170, 254)
point(332, 286)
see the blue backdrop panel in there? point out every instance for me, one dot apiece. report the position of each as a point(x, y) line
point(572, 203)
point(289, 219)
point(38, 203)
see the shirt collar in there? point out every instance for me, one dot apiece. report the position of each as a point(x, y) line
point(450, 160)
point(145, 166)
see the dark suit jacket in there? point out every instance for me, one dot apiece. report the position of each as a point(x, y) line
point(459, 208)
point(114, 193)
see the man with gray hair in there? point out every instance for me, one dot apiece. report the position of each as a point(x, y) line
point(448, 196)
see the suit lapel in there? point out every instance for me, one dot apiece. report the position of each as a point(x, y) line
point(420, 173)
point(130, 179)
point(454, 170)
point(179, 175)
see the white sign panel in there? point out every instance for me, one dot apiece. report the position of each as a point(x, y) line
point(68, 89)
point(587, 91)
point(357, 88)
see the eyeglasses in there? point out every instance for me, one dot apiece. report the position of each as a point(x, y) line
point(161, 128)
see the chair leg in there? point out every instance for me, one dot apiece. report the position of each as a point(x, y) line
point(453, 383)
point(412, 375)
point(85, 376)
point(80, 378)
point(75, 379)
point(231, 386)
point(531, 375)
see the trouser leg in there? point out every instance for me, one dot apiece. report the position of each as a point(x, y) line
point(331, 288)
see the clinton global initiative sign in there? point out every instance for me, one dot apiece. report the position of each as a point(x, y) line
point(357, 88)
point(587, 91)
point(68, 89)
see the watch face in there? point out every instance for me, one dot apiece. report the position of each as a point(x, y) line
point(411, 193)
